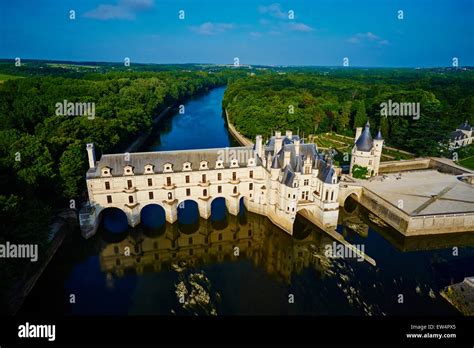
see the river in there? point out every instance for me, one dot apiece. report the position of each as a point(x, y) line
point(194, 267)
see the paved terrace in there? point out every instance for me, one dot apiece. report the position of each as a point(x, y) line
point(426, 192)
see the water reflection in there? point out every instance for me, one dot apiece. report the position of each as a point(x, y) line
point(221, 238)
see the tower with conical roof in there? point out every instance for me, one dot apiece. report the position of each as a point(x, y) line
point(367, 151)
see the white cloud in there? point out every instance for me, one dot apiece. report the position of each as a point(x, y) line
point(300, 27)
point(367, 37)
point(273, 10)
point(124, 9)
point(210, 28)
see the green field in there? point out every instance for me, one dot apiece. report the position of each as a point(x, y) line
point(467, 162)
point(4, 77)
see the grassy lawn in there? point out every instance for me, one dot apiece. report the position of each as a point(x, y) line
point(467, 162)
point(4, 77)
point(344, 144)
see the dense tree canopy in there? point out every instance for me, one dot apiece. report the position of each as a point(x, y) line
point(319, 101)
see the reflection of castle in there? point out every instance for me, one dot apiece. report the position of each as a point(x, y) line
point(257, 240)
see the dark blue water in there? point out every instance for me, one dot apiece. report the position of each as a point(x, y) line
point(202, 126)
point(191, 267)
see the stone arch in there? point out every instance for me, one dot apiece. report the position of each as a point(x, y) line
point(188, 216)
point(219, 213)
point(114, 220)
point(348, 205)
point(152, 216)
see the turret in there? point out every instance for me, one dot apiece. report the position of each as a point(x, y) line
point(91, 155)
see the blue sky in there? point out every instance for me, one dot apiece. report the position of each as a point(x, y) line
point(322, 32)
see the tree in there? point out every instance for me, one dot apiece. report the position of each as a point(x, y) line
point(361, 115)
point(360, 172)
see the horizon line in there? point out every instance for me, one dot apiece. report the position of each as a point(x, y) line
point(240, 65)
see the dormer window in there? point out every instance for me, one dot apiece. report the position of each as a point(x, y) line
point(251, 162)
point(234, 163)
point(168, 167)
point(106, 171)
point(149, 169)
point(203, 165)
point(187, 166)
point(128, 170)
point(219, 164)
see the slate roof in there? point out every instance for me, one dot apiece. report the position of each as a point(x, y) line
point(458, 135)
point(177, 158)
point(465, 126)
point(365, 142)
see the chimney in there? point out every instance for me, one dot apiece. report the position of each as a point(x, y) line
point(91, 155)
point(286, 158)
point(278, 142)
point(297, 147)
point(258, 145)
point(358, 133)
point(289, 134)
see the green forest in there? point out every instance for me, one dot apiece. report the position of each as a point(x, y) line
point(42, 155)
point(338, 100)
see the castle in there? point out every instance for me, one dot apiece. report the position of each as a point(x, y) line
point(462, 136)
point(367, 151)
point(277, 179)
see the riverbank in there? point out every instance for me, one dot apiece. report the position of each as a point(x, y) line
point(235, 133)
point(63, 224)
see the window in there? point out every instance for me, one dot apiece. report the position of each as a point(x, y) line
point(130, 199)
point(327, 193)
point(170, 195)
point(116, 249)
point(370, 162)
point(204, 193)
point(219, 176)
point(187, 179)
point(150, 195)
point(129, 183)
point(204, 178)
point(251, 186)
point(188, 192)
point(219, 189)
point(150, 182)
point(220, 236)
point(234, 176)
point(190, 240)
point(109, 199)
point(306, 182)
point(251, 174)
point(332, 195)
point(106, 172)
point(107, 185)
point(168, 181)
point(235, 189)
